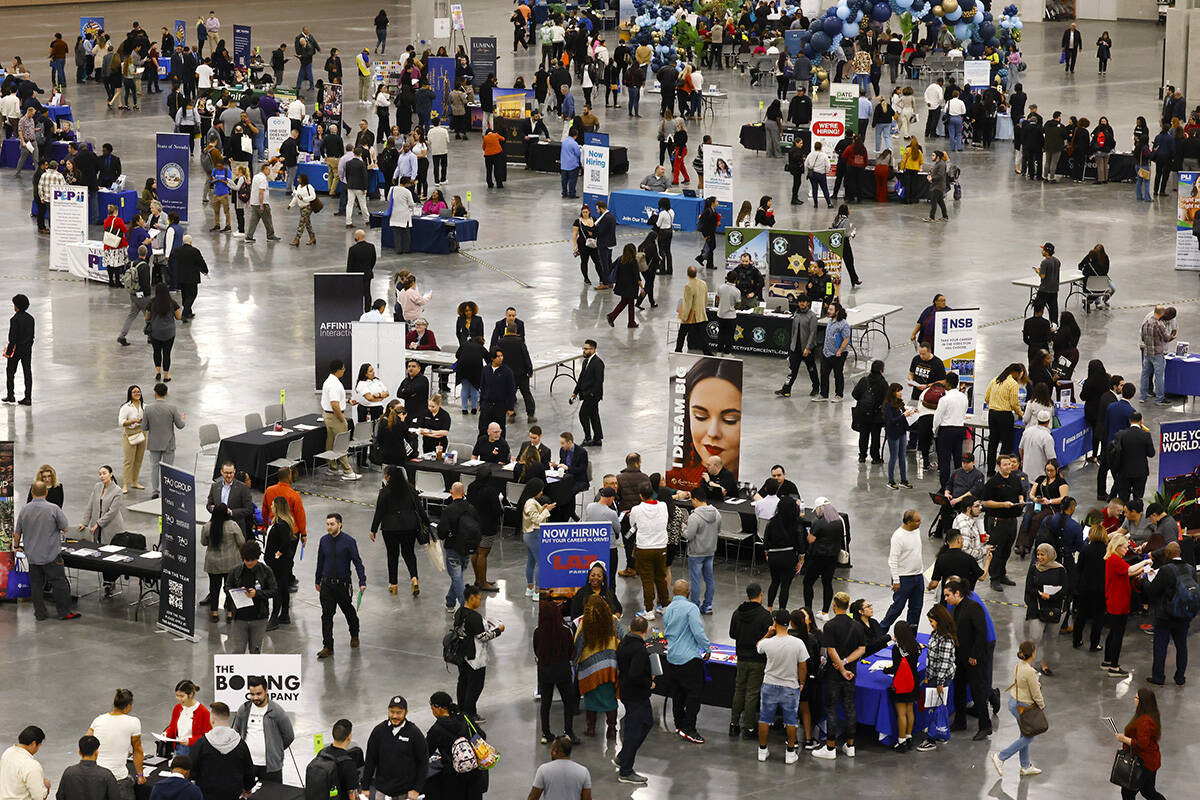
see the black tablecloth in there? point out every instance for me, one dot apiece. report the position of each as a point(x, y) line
point(252, 450)
point(544, 158)
point(1120, 167)
point(718, 688)
point(148, 569)
point(160, 769)
point(753, 136)
point(763, 334)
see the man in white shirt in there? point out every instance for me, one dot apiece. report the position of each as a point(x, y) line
point(1037, 446)
point(296, 112)
point(949, 426)
point(648, 526)
point(907, 566)
point(783, 679)
point(956, 109)
point(377, 313)
point(439, 151)
point(204, 75)
point(333, 404)
point(260, 205)
point(935, 96)
point(21, 776)
point(120, 735)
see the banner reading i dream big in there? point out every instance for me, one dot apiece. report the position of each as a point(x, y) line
point(173, 158)
point(785, 256)
point(704, 416)
point(177, 593)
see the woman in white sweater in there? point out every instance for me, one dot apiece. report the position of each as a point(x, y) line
point(303, 196)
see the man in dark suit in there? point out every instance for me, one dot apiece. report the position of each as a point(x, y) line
point(606, 239)
point(535, 443)
point(497, 392)
point(1101, 435)
point(191, 60)
point(516, 356)
point(574, 463)
point(589, 391)
point(510, 318)
point(235, 495)
point(361, 258)
point(186, 264)
point(971, 657)
point(110, 166)
point(1133, 468)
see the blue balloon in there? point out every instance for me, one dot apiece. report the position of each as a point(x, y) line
point(994, 42)
point(850, 30)
point(882, 12)
point(832, 26)
point(820, 41)
point(842, 12)
point(904, 3)
point(961, 31)
point(955, 15)
point(917, 9)
point(987, 30)
point(975, 49)
point(966, 5)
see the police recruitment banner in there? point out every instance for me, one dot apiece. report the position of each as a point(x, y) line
point(172, 156)
point(177, 543)
point(337, 302)
point(483, 58)
point(704, 416)
point(8, 556)
point(1187, 233)
point(441, 80)
point(241, 46)
point(828, 127)
point(281, 673)
point(783, 256)
point(180, 33)
point(718, 178)
point(68, 223)
point(954, 334)
point(595, 169)
point(567, 551)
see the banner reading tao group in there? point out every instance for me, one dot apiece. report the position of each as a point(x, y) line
point(568, 549)
point(704, 416)
point(177, 593)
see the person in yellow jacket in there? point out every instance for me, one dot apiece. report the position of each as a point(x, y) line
point(363, 62)
point(911, 161)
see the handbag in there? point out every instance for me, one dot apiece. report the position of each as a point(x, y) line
point(589, 243)
point(18, 587)
point(437, 556)
point(136, 438)
point(939, 723)
point(1143, 173)
point(843, 558)
point(315, 205)
point(1033, 722)
point(112, 239)
point(1128, 771)
point(485, 754)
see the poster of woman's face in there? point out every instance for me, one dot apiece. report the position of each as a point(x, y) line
point(705, 417)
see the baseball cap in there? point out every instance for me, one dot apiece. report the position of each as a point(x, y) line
point(820, 501)
point(1048, 247)
point(398, 702)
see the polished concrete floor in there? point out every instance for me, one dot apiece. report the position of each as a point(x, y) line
point(252, 337)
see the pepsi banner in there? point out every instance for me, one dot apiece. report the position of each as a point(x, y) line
point(173, 157)
point(177, 593)
point(241, 46)
point(568, 549)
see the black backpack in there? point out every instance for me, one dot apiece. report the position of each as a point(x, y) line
point(456, 647)
point(1115, 454)
point(321, 778)
point(1185, 602)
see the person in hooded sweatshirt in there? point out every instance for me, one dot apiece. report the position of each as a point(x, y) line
point(397, 755)
point(703, 525)
point(177, 785)
point(749, 623)
point(221, 763)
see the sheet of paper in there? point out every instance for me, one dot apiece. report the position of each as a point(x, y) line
point(161, 738)
point(881, 665)
point(151, 554)
point(111, 548)
point(240, 600)
point(86, 551)
point(302, 427)
point(1052, 590)
point(283, 432)
point(510, 466)
point(735, 502)
point(117, 557)
point(474, 462)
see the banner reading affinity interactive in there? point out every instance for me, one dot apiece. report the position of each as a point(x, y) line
point(173, 158)
point(177, 593)
point(954, 343)
point(784, 256)
point(1187, 232)
point(68, 223)
point(704, 416)
point(337, 301)
point(568, 549)
point(595, 169)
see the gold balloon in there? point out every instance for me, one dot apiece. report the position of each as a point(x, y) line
point(825, 84)
point(949, 6)
point(938, 11)
point(822, 73)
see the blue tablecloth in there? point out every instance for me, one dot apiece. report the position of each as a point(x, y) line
point(59, 112)
point(634, 206)
point(1072, 439)
point(10, 150)
point(307, 134)
point(126, 203)
point(375, 183)
point(318, 174)
point(429, 234)
point(1183, 375)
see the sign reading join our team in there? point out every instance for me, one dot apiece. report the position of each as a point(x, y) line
point(173, 158)
point(954, 342)
point(568, 549)
point(177, 593)
point(1187, 230)
point(241, 46)
point(282, 674)
point(595, 169)
point(68, 223)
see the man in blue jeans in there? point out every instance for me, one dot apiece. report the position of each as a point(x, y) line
point(907, 566)
point(703, 525)
point(1168, 625)
point(1154, 359)
point(685, 660)
point(460, 532)
point(569, 158)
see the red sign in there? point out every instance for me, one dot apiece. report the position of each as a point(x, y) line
point(829, 128)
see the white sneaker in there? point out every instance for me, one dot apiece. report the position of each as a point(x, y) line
point(646, 614)
point(998, 764)
point(533, 595)
point(824, 752)
point(530, 592)
point(822, 616)
point(790, 757)
point(763, 753)
point(1032, 769)
point(351, 476)
point(848, 749)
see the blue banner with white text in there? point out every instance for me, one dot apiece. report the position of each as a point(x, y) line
point(568, 549)
point(241, 46)
point(1178, 449)
point(172, 160)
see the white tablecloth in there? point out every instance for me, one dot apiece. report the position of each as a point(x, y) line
point(90, 261)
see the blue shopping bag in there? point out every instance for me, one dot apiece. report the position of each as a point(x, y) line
point(18, 580)
point(939, 723)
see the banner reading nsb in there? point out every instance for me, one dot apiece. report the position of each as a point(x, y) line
point(177, 592)
point(173, 158)
point(1187, 232)
point(68, 223)
point(483, 58)
point(954, 334)
point(568, 549)
point(1178, 449)
point(595, 169)
point(241, 46)
point(704, 416)
point(282, 674)
point(337, 301)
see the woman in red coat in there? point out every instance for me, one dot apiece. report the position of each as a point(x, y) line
point(114, 225)
point(1141, 736)
point(189, 719)
point(1118, 574)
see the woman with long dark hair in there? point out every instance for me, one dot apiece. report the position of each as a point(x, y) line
point(905, 649)
point(161, 316)
point(1089, 587)
point(583, 245)
point(133, 438)
point(399, 512)
point(939, 659)
point(626, 285)
point(554, 649)
point(812, 703)
point(712, 422)
point(1141, 736)
point(396, 443)
point(1094, 387)
point(863, 612)
point(710, 220)
point(223, 539)
point(781, 541)
point(1004, 404)
point(895, 430)
point(1066, 346)
point(280, 553)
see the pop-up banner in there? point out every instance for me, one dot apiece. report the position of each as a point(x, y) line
point(483, 58)
point(337, 302)
point(1187, 232)
point(845, 97)
point(1178, 449)
point(68, 223)
point(784, 256)
point(704, 416)
point(977, 73)
point(173, 158)
point(241, 46)
point(278, 129)
point(595, 169)
point(282, 674)
point(718, 178)
point(92, 25)
point(954, 342)
point(177, 592)
point(441, 79)
point(180, 33)
point(828, 127)
point(568, 549)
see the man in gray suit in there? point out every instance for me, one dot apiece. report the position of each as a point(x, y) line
point(160, 419)
point(235, 495)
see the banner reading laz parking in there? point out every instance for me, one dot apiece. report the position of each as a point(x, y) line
point(568, 549)
point(704, 417)
point(177, 593)
point(785, 256)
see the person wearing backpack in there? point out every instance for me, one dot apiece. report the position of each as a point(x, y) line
point(1130, 454)
point(460, 531)
point(397, 761)
point(1176, 598)
point(867, 415)
point(136, 281)
point(457, 776)
point(333, 774)
point(472, 666)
